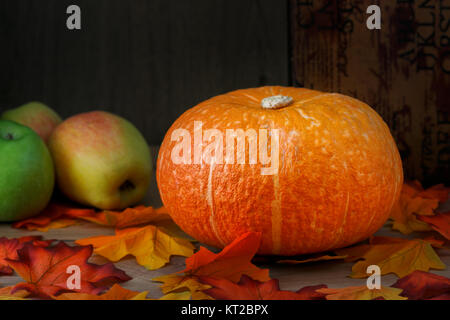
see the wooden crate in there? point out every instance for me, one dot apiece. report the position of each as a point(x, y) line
point(402, 70)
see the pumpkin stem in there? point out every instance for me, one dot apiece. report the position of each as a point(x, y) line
point(276, 102)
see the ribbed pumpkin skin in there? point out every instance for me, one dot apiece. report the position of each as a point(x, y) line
point(339, 174)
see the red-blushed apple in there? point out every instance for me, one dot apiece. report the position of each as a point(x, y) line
point(101, 160)
point(27, 176)
point(35, 115)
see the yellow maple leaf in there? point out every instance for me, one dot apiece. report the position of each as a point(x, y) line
point(362, 293)
point(393, 255)
point(151, 246)
point(185, 295)
point(5, 294)
point(119, 293)
point(174, 283)
point(115, 293)
point(414, 200)
point(10, 297)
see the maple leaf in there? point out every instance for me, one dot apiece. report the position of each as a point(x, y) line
point(36, 241)
point(421, 285)
point(175, 283)
point(410, 224)
point(312, 259)
point(390, 240)
point(56, 215)
point(362, 293)
point(45, 270)
point(415, 201)
point(151, 246)
point(129, 217)
point(393, 255)
point(115, 293)
point(185, 295)
point(9, 247)
point(435, 243)
point(231, 263)
point(249, 289)
point(119, 293)
point(8, 250)
point(439, 223)
point(11, 297)
point(6, 294)
point(56, 224)
point(439, 192)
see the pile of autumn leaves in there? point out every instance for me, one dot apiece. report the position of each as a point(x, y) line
point(152, 238)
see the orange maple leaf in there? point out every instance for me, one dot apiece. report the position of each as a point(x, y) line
point(362, 293)
point(393, 255)
point(45, 270)
point(115, 293)
point(439, 223)
point(56, 215)
point(421, 285)
point(415, 201)
point(439, 192)
point(231, 263)
point(9, 247)
point(249, 289)
point(129, 217)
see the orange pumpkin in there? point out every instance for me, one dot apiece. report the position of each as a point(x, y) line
point(337, 177)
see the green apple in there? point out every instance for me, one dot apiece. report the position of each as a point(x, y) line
point(35, 115)
point(101, 160)
point(27, 175)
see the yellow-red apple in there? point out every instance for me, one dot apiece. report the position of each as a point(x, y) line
point(101, 160)
point(35, 115)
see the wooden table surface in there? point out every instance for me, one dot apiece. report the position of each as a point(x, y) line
point(291, 277)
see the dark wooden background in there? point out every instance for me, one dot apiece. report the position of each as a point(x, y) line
point(147, 60)
point(150, 60)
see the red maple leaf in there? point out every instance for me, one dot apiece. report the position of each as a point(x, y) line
point(249, 289)
point(421, 285)
point(9, 247)
point(46, 270)
point(440, 223)
point(231, 263)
